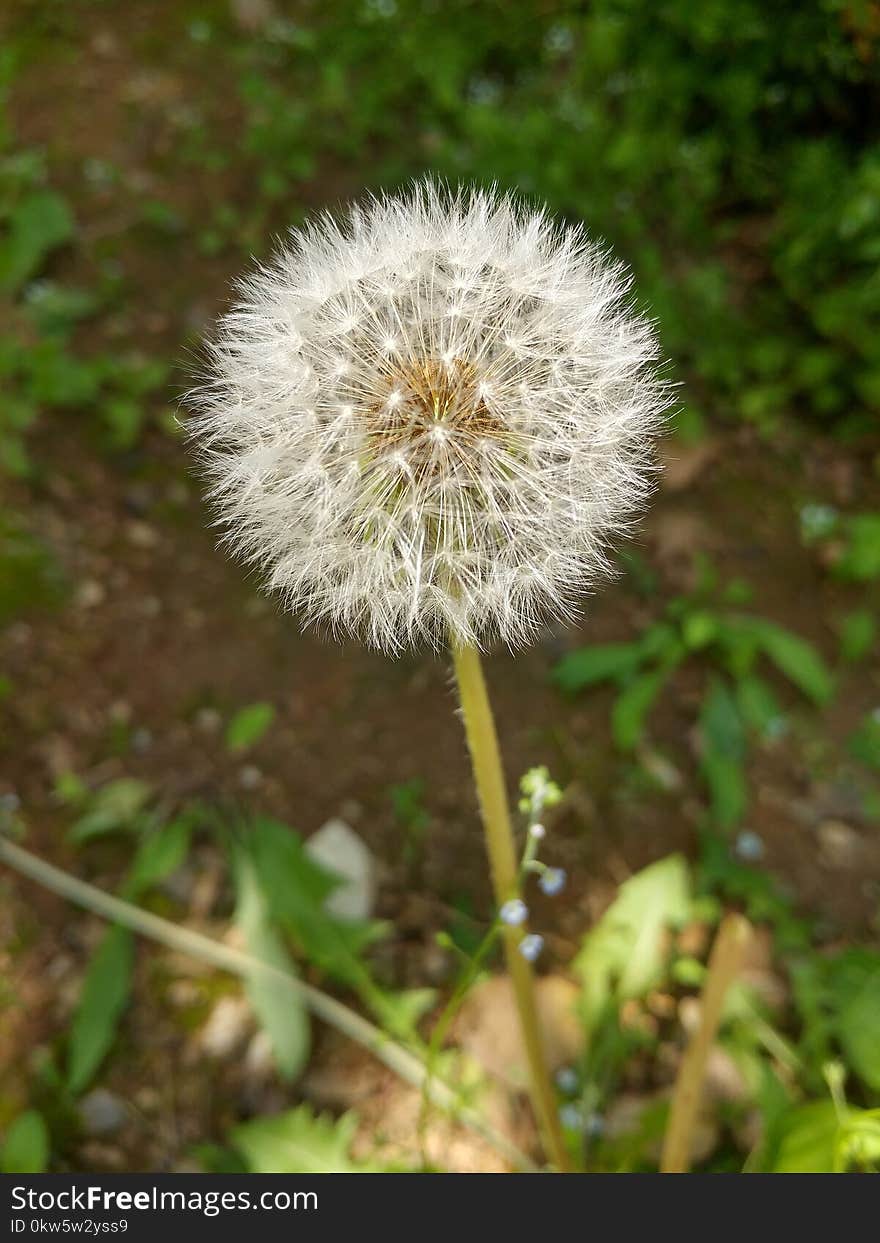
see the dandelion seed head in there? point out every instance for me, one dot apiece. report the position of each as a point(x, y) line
point(429, 419)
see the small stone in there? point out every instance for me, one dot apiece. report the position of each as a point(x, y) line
point(101, 1112)
point(89, 594)
point(487, 1027)
point(208, 721)
point(337, 848)
point(250, 777)
point(839, 844)
point(141, 534)
point(259, 1060)
point(228, 1026)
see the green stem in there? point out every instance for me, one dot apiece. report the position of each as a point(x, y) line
point(324, 1007)
point(489, 778)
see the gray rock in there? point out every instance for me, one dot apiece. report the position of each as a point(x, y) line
point(338, 849)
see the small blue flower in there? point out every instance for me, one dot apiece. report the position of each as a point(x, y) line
point(514, 912)
point(571, 1117)
point(749, 846)
point(552, 881)
point(567, 1080)
point(538, 832)
point(530, 947)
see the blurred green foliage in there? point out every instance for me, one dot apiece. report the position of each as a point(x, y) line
point(727, 149)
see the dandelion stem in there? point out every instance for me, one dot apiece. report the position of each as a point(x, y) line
point(489, 777)
point(724, 964)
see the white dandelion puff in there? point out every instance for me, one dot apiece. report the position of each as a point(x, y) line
point(428, 420)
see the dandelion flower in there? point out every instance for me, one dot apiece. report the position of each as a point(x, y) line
point(426, 421)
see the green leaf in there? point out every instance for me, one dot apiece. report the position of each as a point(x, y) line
point(103, 999)
point(699, 629)
point(858, 632)
point(723, 754)
point(25, 1149)
point(588, 665)
point(635, 702)
point(860, 561)
point(808, 1139)
point(793, 656)
point(299, 1142)
point(759, 707)
point(159, 854)
point(36, 226)
point(864, 744)
point(854, 984)
point(819, 1138)
point(279, 1006)
point(248, 726)
point(116, 806)
point(624, 955)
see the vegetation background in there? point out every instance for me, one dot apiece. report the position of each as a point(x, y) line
point(714, 726)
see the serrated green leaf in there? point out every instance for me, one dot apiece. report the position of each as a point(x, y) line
point(299, 1142)
point(25, 1149)
point(624, 955)
point(723, 754)
point(279, 1006)
point(249, 725)
point(102, 1001)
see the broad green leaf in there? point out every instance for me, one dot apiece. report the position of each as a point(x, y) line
point(819, 1138)
point(279, 1006)
point(723, 754)
point(854, 983)
point(624, 955)
point(248, 726)
point(793, 656)
point(25, 1150)
point(102, 1001)
point(116, 805)
point(808, 1140)
point(588, 665)
point(299, 1142)
point(36, 226)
